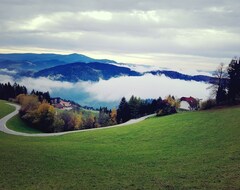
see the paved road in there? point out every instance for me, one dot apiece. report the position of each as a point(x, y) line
point(4, 129)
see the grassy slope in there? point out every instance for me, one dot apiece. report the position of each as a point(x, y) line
point(85, 113)
point(17, 124)
point(5, 109)
point(199, 150)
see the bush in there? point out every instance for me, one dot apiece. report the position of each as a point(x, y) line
point(208, 104)
point(167, 110)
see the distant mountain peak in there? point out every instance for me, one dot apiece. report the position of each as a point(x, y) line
point(43, 60)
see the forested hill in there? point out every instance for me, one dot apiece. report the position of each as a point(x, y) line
point(32, 61)
point(85, 71)
point(75, 67)
point(177, 75)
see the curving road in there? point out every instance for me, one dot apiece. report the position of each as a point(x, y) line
point(4, 129)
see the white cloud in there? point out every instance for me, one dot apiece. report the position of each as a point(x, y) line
point(45, 84)
point(183, 68)
point(147, 86)
point(7, 71)
point(109, 92)
point(6, 79)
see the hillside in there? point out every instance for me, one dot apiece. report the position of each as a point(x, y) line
point(177, 75)
point(197, 150)
point(74, 67)
point(32, 61)
point(85, 71)
point(5, 109)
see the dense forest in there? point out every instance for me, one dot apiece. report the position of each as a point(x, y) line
point(8, 91)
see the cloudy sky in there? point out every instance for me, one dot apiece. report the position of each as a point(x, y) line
point(196, 33)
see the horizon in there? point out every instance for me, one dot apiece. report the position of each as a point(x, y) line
point(201, 65)
point(197, 35)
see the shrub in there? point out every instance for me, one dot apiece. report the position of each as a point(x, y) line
point(166, 110)
point(208, 104)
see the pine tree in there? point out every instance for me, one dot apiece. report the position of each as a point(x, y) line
point(234, 80)
point(123, 112)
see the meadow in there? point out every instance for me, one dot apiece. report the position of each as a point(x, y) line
point(5, 109)
point(189, 150)
point(17, 124)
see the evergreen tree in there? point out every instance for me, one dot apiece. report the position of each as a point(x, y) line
point(234, 80)
point(134, 106)
point(8, 91)
point(123, 112)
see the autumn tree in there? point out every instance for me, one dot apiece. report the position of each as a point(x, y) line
point(58, 124)
point(172, 101)
point(72, 120)
point(44, 117)
point(113, 117)
point(76, 121)
point(104, 117)
point(20, 98)
point(89, 122)
point(29, 104)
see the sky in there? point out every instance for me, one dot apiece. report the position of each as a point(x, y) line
point(193, 33)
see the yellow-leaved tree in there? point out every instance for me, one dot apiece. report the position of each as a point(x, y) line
point(173, 101)
point(113, 117)
point(45, 116)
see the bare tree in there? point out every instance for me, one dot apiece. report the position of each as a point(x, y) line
point(219, 83)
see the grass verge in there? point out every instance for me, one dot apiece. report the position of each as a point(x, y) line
point(17, 124)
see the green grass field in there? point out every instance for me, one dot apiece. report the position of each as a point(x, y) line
point(197, 150)
point(17, 124)
point(5, 109)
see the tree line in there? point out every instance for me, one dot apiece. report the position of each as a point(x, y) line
point(226, 87)
point(8, 91)
point(37, 111)
point(43, 116)
point(137, 107)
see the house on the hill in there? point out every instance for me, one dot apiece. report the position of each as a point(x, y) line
point(55, 100)
point(189, 103)
point(61, 104)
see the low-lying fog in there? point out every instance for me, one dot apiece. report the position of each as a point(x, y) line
point(109, 92)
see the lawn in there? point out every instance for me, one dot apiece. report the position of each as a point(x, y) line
point(197, 150)
point(17, 124)
point(5, 109)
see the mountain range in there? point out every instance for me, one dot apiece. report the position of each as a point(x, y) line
point(75, 67)
point(36, 62)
